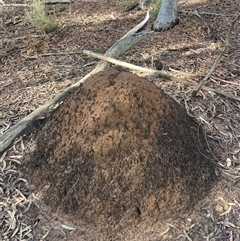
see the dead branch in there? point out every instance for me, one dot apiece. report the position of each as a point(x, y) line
point(28, 5)
point(14, 4)
point(49, 54)
point(120, 47)
point(218, 92)
point(156, 73)
point(226, 45)
point(134, 67)
point(204, 13)
point(56, 1)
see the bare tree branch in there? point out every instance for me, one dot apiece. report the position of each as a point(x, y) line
point(134, 67)
point(29, 5)
point(204, 13)
point(14, 4)
point(226, 45)
point(56, 1)
point(218, 92)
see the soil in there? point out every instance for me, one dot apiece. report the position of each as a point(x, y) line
point(119, 151)
point(36, 66)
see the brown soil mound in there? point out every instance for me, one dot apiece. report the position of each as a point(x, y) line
point(119, 151)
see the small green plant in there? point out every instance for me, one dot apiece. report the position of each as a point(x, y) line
point(156, 4)
point(38, 16)
point(124, 4)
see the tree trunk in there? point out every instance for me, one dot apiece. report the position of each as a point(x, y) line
point(166, 18)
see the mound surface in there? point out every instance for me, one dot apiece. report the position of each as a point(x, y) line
point(118, 151)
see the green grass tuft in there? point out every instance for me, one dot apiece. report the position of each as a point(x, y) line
point(124, 4)
point(39, 17)
point(155, 6)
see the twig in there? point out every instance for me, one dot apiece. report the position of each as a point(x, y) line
point(15, 5)
point(50, 54)
point(181, 72)
point(197, 14)
point(187, 236)
point(56, 1)
point(225, 81)
point(134, 67)
point(226, 45)
point(230, 96)
point(45, 235)
point(205, 13)
point(28, 5)
point(62, 65)
point(88, 64)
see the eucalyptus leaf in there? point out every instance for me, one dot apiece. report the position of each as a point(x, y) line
point(68, 227)
point(26, 229)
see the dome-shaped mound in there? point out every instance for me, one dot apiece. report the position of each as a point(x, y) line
point(118, 151)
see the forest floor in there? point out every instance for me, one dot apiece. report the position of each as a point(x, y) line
point(35, 67)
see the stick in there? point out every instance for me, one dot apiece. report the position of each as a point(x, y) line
point(226, 45)
point(205, 13)
point(158, 73)
point(15, 4)
point(230, 96)
point(56, 1)
point(121, 46)
point(28, 5)
point(134, 67)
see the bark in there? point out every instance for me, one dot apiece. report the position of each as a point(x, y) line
point(166, 18)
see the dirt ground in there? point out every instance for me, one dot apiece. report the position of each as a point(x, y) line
point(35, 67)
point(135, 156)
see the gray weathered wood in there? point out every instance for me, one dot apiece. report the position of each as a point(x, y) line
point(56, 1)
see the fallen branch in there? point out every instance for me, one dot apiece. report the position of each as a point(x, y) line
point(49, 54)
point(134, 67)
point(204, 13)
point(226, 45)
point(28, 5)
point(56, 1)
point(227, 95)
point(156, 73)
point(14, 4)
point(120, 47)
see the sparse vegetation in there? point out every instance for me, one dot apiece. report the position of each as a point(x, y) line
point(124, 4)
point(38, 16)
point(155, 6)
